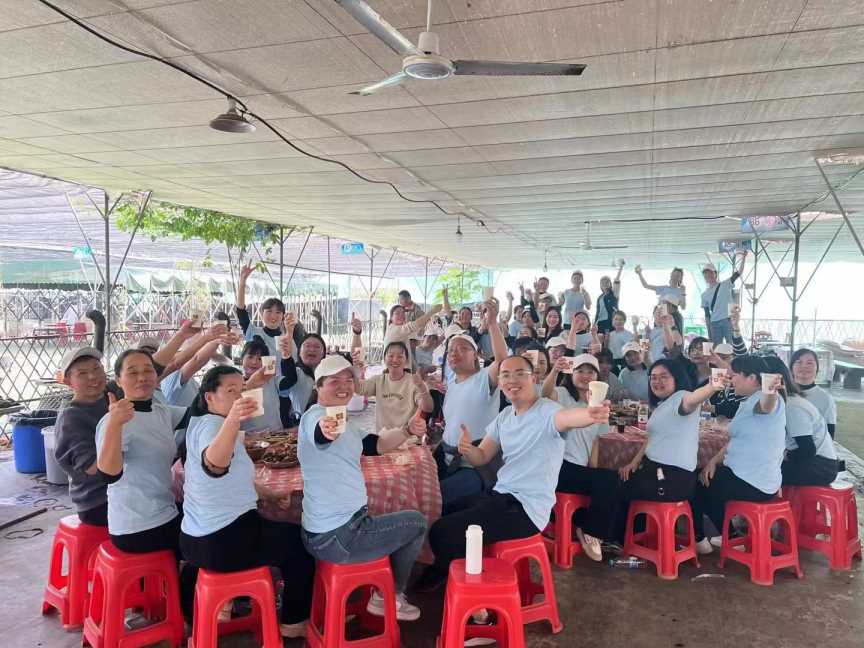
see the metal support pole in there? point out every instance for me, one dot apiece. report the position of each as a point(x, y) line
point(107, 286)
point(839, 206)
point(371, 280)
point(426, 283)
point(300, 256)
point(141, 211)
point(754, 299)
point(281, 262)
point(797, 231)
point(331, 317)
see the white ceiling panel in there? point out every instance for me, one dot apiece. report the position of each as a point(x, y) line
point(687, 109)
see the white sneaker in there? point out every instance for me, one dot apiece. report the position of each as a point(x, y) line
point(717, 541)
point(480, 617)
point(293, 630)
point(703, 547)
point(590, 545)
point(404, 610)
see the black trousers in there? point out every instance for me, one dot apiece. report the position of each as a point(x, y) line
point(595, 482)
point(711, 501)
point(818, 471)
point(252, 541)
point(96, 516)
point(501, 516)
point(165, 537)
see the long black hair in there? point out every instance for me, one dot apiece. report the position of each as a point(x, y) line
point(679, 374)
point(555, 330)
point(750, 365)
point(570, 386)
point(210, 383)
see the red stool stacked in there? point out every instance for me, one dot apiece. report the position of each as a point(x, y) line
point(658, 542)
point(67, 593)
point(333, 585)
point(117, 578)
point(759, 548)
point(214, 589)
point(496, 590)
point(566, 504)
point(519, 554)
point(810, 505)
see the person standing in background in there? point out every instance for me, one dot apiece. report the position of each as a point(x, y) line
point(607, 302)
point(675, 287)
point(717, 299)
point(575, 299)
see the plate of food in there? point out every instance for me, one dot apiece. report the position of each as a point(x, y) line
point(280, 455)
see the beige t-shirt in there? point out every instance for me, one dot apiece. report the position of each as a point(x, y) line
point(395, 401)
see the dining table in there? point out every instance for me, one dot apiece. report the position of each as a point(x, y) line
point(616, 449)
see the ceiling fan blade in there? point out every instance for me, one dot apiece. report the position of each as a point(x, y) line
point(503, 68)
point(372, 20)
point(609, 247)
point(396, 79)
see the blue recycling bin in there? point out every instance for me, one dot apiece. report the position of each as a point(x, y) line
point(27, 443)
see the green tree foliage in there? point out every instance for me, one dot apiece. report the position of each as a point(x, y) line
point(463, 286)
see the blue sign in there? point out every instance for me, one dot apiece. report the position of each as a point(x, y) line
point(351, 248)
point(758, 224)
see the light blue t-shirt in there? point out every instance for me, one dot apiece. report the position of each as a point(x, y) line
point(658, 343)
point(672, 291)
point(803, 419)
point(333, 485)
point(721, 304)
point(470, 402)
point(485, 346)
point(617, 340)
point(574, 302)
point(212, 503)
point(635, 381)
point(673, 438)
point(533, 453)
point(514, 327)
point(176, 393)
point(142, 498)
point(272, 417)
point(583, 340)
point(578, 442)
point(301, 391)
point(756, 445)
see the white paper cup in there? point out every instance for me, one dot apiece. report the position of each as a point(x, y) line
point(258, 396)
point(569, 368)
point(717, 375)
point(340, 413)
point(597, 392)
point(768, 383)
point(533, 355)
point(707, 348)
point(488, 293)
point(269, 364)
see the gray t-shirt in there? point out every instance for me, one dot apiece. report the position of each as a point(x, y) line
point(142, 498)
point(803, 419)
point(635, 381)
point(75, 451)
point(574, 302)
point(824, 402)
point(721, 304)
point(673, 438)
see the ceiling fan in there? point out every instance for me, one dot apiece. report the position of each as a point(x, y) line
point(424, 61)
point(586, 245)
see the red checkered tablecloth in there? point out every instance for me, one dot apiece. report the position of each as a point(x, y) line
point(615, 449)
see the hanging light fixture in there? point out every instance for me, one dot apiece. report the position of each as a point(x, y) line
point(232, 121)
point(458, 228)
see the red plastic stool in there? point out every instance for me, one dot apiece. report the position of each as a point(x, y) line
point(519, 554)
point(214, 589)
point(810, 504)
point(657, 543)
point(333, 585)
point(563, 546)
point(67, 593)
point(758, 547)
point(497, 590)
point(117, 585)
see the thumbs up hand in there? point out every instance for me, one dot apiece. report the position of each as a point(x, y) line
point(468, 450)
point(120, 412)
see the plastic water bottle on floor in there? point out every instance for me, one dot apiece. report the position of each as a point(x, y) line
point(628, 563)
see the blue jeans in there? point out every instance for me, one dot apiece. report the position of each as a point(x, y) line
point(462, 483)
point(363, 538)
point(721, 330)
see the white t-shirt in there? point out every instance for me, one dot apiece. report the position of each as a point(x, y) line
point(803, 419)
point(824, 402)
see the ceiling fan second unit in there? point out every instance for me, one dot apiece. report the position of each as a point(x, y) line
point(424, 61)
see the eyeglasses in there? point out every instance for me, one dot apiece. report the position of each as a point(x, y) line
point(520, 373)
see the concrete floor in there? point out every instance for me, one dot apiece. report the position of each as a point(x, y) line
point(599, 606)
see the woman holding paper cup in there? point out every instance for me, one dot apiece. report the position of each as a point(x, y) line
point(221, 529)
point(749, 467)
point(699, 352)
point(810, 456)
point(530, 433)
point(473, 400)
point(274, 409)
point(582, 389)
point(337, 526)
point(298, 374)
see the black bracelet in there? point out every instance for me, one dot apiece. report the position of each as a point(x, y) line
point(356, 332)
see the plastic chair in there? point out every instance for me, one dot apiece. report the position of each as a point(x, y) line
point(831, 512)
point(67, 593)
point(495, 589)
point(214, 589)
point(124, 580)
point(79, 331)
point(762, 554)
point(658, 542)
point(333, 585)
point(519, 554)
point(562, 544)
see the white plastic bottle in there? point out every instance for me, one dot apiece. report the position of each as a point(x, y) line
point(474, 549)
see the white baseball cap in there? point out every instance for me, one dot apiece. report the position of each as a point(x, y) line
point(453, 329)
point(467, 338)
point(76, 354)
point(724, 349)
point(709, 267)
point(558, 340)
point(330, 366)
point(586, 358)
point(631, 346)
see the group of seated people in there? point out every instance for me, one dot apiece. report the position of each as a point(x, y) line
point(517, 427)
